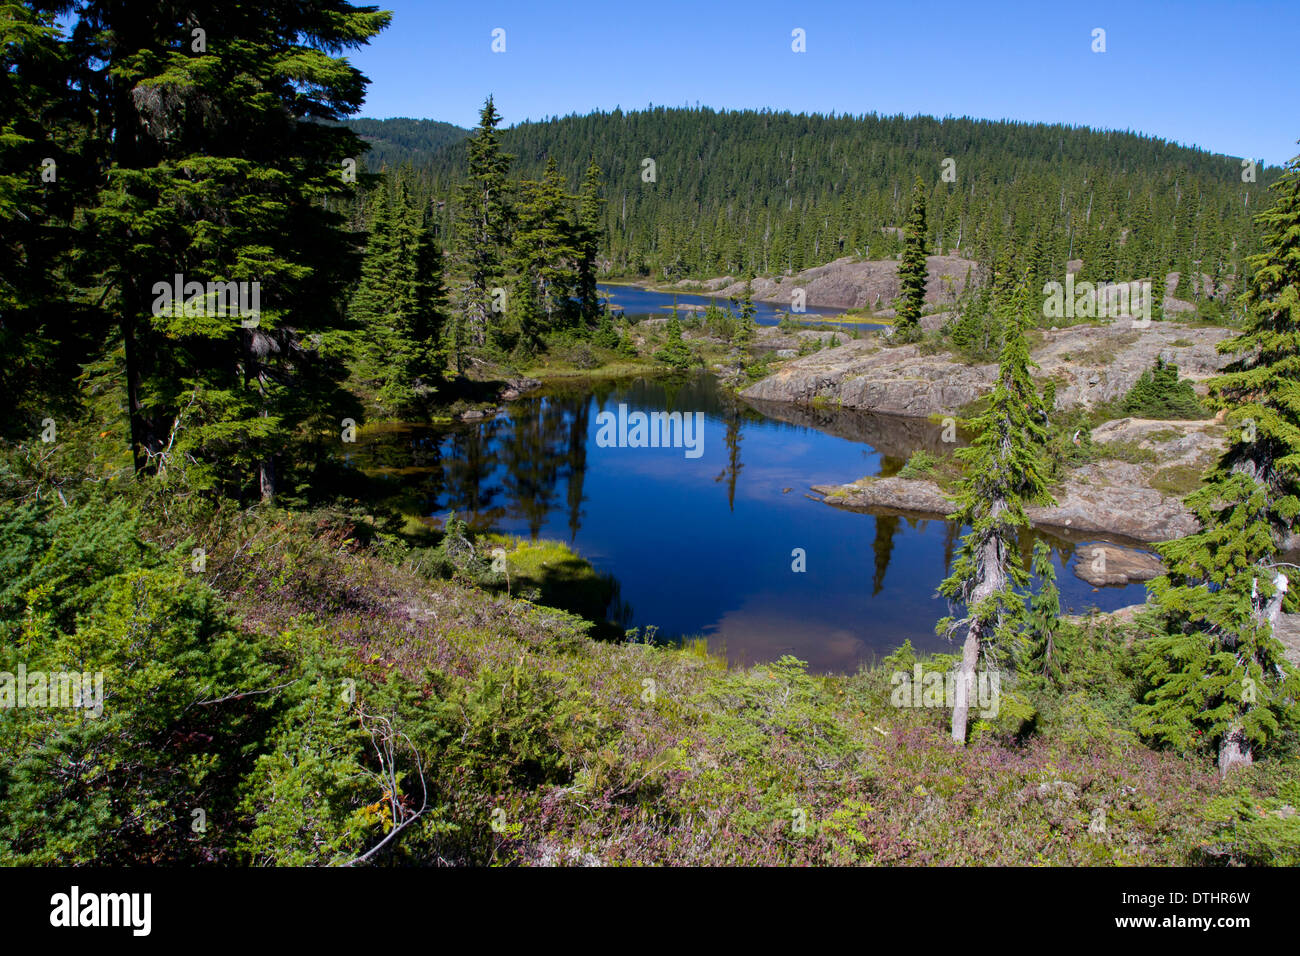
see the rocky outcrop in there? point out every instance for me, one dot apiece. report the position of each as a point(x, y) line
point(1103, 564)
point(1287, 630)
point(848, 283)
point(864, 375)
point(518, 387)
point(911, 495)
point(1090, 363)
point(1112, 498)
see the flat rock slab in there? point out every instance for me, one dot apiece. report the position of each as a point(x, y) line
point(1111, 498)
point(913, 495)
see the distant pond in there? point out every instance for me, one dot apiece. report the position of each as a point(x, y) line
point(635, 302)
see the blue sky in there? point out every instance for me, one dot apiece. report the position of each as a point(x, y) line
point(1221, 76)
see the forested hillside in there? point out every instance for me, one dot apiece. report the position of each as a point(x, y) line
point(768, 192)
point(402, 140)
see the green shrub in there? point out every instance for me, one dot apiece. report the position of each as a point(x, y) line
point(1160, 394)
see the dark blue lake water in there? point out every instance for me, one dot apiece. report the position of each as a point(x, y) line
point(704, 545)
point(635, 302)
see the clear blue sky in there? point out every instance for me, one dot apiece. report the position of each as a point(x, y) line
point(1222, 76)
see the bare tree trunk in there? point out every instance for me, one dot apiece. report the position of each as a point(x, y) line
point(991, 576)
point(1234, 750)
point(265, 466)
point(266, 479)
point(1271, 610)
point(970, 653)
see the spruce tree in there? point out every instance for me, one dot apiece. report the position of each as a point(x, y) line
point(545, 253)
point(675, 353)
point(1039, 656)
point(1003, 471)
point(587, 243)
point(398, 305)
point(482, 230)
point(1215, 673)
point(912, 270)
point(745, 313)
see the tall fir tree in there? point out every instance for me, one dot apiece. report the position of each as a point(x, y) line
point(399, 305)
point(545, 254)
point(483, 223)
point(1215, 673)
point(1004, 470)
point(911, 269)
point(587, 241)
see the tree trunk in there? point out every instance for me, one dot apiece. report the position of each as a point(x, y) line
point(990, 576)
point(1234, 751)
point(134, 409)
point(1234, 748)
point(265, 466)
point(970, 653)
point(266, 479)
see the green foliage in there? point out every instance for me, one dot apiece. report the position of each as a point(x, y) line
point(744, 330)
point(1039, 656)
point(1004, 469)
point(484, 211)
point(398, 306)
point(976, 334)
point(247, 195)
point(921, 464)
point(1215, 674)
point(742, 213)
point(675, 353)
point(121, 786)
point(1254, 828)
point(912, 269)
point(1160, 394)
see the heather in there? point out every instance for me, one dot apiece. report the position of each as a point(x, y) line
point(318, 659)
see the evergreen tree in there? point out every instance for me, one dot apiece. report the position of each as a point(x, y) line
point(1039, 655)
point(1215, 671)
point(46, 332)
point(399, 301)
point(745, 312)
point(1159, 393)
point(546, 252)
point(587, 243)
point(912, 270)
point(482, 230)
point(239, 190)
point(675, 353)
point(1004, 470)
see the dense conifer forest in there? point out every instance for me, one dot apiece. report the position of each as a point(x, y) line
point(737, 193)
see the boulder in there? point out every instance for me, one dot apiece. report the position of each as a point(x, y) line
point(1103, 564)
